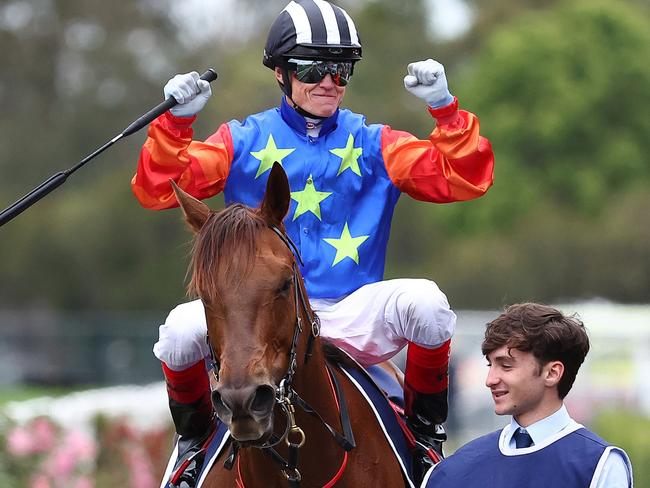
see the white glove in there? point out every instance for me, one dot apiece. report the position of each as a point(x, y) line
point(427, 80)
point(191, 93)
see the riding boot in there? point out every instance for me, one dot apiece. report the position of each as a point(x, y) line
point(192, 413)
point(425, 395)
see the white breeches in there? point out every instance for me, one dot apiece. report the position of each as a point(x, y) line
point(372, 324)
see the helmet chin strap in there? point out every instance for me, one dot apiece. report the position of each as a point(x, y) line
point(286, 89)
point(304, 113)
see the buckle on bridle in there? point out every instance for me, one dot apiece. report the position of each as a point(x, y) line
point(294, 476)
point(283, 393)
point(315, 326)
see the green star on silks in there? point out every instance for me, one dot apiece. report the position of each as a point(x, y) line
point(349, 156)
point(269, 155)
point(346, 246)
point(309, 199)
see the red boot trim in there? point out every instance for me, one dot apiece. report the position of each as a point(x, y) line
point(188, 385)
point(427, 370)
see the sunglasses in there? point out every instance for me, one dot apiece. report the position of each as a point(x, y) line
point(310, 71)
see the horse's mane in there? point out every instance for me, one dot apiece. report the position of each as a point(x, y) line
point(225, 246)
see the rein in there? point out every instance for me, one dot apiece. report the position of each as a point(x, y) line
point(286, 397)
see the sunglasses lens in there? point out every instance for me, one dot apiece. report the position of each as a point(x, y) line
point(308, 73)
point(315, 71)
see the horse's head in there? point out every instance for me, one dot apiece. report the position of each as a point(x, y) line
point(245, 276)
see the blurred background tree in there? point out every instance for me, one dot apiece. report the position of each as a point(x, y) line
point(562, 90)
point(559, 89)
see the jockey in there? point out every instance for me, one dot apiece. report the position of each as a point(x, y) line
point(346, 177)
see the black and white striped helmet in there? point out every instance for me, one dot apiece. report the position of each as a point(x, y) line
point(311, 29)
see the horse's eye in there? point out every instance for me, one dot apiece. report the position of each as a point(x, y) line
point(285, 286)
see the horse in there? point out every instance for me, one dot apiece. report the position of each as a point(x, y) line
point(294, 419)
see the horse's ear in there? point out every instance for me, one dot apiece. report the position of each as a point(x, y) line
point(196, 212)
point(277, 196)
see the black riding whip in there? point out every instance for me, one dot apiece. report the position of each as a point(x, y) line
point(59, 178)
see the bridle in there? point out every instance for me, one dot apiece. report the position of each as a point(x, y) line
point(285, 396)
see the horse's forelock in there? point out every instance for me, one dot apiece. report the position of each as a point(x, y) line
point(225, 246)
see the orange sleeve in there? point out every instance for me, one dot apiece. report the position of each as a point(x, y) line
point(456, 163)
point(199, 168)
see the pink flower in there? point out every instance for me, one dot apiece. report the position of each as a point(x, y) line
point(76, 449)
point(20, 442)
point(140, 470)
point(81, 446)
point(44, 434)
point(84, 482)
point(61, 463)
point(40, 481)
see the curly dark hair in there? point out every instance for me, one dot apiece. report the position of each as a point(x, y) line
point(544, 331)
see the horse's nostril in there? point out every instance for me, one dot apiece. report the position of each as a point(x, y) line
point(263, 399)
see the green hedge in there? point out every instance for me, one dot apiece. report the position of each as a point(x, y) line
point(630, 431)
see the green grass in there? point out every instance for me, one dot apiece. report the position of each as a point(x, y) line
point(19, 393)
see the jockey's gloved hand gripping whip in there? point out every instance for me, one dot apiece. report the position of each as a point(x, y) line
point(59, 178)
point(191, 93)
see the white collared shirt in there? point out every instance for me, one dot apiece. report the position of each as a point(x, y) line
point(614, 472)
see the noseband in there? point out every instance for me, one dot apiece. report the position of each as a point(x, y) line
point(286, 396)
